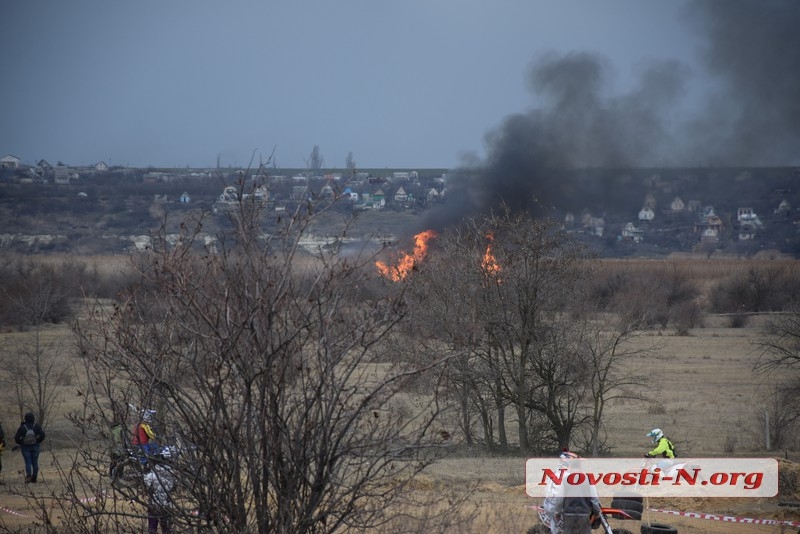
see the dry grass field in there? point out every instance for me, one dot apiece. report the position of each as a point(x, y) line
point(705, 394)
point(710, 408)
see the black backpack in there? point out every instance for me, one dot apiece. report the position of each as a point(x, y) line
point(30, 436)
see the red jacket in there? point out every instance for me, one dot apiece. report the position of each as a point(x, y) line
point(142, 434)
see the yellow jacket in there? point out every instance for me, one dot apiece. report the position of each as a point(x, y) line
point(664, 448)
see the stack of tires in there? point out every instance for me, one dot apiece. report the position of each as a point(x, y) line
point(634, 507)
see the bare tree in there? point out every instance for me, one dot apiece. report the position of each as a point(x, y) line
point(350, 165)
point(451, 289)
point(505, 282)
point(268, 362)
point(780, 343)
point(780, 355)
point(781, 406)
point(608, 349)
point(315, 161)
point(536, 283)
point(38, 373)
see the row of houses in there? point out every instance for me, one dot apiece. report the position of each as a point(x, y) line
point(361, 200)
point(708, 225)
point(44, 172)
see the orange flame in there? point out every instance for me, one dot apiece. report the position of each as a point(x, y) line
point(407, 262)
point(489, 263)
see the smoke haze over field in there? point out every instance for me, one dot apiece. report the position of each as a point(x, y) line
point(754, 50)
point(750, 116)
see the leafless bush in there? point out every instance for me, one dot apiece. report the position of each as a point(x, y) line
point(650, 293)
point(758, 289)
point(685, 315)
point(35, 293)
point(739, 320)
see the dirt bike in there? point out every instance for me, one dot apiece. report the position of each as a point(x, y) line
point(130, 471)
point(597, 520)
point(129, 468)
point(628, 506)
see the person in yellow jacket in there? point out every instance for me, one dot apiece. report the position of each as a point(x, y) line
point(143, 434)
point(663, 445)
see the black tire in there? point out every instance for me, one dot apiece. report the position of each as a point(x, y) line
point(658, 528)
point(538, 529)
point(631, 498)
point(621, 531)
point(128, 472)
point(628, 504)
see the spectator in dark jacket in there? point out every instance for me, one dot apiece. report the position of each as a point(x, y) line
point(575, 507)
point(28, 437)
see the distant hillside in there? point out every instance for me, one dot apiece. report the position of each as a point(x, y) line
point(619, 197)
point(99, 211)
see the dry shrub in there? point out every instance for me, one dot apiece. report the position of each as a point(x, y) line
point(685, 315)
point(789, 479)
point(739, 320)
point(756, 288)
point(706, 276)
point(650, 294)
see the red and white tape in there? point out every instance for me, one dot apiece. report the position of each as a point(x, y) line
point(714, 517)
point(13, 512)
point(19, 514)
point(728, 518)
point(93, 498)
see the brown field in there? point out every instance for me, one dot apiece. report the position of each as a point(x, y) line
point(705, 396)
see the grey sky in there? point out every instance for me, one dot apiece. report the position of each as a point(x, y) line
point(409, 84)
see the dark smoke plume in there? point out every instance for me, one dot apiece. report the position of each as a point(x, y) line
point(531, 157)
point(753, 48)
point(535, 159)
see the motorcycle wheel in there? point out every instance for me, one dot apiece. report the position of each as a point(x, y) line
point(128, 472)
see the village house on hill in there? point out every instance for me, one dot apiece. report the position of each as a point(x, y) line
point(748, 222)
point(10, 162)
point(709, 225)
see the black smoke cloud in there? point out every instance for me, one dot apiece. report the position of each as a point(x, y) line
point(753, 49)
point(534, 159)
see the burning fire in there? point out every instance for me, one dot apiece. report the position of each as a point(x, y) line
point(489, 263)
point(407, 261)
